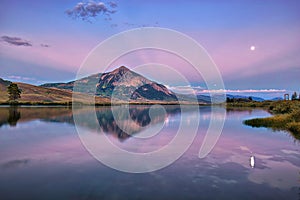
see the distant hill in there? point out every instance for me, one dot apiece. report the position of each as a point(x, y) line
point(276, 99)
point(244, 97)
point(37, 94)
point(206, 98)
point(88, 84)
point(65, 86)
point(3, 89)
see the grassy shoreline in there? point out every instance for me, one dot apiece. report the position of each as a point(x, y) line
point(70, 103)
point(286, 116)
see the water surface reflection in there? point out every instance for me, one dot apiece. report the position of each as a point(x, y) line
point(41, 157)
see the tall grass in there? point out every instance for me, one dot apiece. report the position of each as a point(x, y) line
point(286, 117)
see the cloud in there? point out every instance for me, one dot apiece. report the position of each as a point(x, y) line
point(20, 78)
point(45, 45)
point(129, 24)
point(156, 24)
point(186, 89)
point(88, 10)
point(266, 93)
point(243, 91)
point(15, 163)
point(16, 41)
point(112, 4)
point(114, 25)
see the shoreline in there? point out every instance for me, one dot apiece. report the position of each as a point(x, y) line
point(100, 104)
point(285, 117)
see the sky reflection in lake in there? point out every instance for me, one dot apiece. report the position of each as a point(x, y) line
point(41, 157)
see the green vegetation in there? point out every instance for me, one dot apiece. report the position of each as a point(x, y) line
point(14, 93)
point(250, 104)
point(286, 117)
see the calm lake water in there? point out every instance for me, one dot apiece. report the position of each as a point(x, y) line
point(42, 157)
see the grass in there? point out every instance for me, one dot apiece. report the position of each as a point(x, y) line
point(286, 116)
point(36, 95)
point(251, 104)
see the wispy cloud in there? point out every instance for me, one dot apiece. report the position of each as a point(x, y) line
point(185, 89)
point(15, 163)
point(188, 89)
point(243, 91)
point(89, 10)
point(156, 24)
point(114, 25)
point(112, 4)
point(20, 78)
point(45, 45)
point(16, 41)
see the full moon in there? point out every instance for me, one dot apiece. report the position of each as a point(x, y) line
point(252, 48)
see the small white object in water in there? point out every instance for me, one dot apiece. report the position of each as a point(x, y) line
point(252, 161)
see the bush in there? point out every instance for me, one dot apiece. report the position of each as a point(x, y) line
point(294, 127)
point(281, 107)
point(288, 121)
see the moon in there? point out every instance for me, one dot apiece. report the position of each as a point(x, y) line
point(252, 48)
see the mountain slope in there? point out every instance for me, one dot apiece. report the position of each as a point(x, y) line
point(88, 84)
point(127, 84)
point(3, 89)
point(65, 86)
point(37, 94)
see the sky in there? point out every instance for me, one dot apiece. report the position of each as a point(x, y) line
point(255, 44)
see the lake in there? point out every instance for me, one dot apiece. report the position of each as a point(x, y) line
point(42, 155)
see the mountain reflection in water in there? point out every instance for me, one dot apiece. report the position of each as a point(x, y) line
point(136, 122)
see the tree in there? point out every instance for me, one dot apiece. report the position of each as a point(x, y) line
point(14, 92)
point(294, 96)
point(14, 115)
point(229, 100)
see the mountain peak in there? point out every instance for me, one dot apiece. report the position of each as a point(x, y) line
point(121, 70)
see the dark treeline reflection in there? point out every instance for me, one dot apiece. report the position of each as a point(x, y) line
point(13, 115)
point(137, 120)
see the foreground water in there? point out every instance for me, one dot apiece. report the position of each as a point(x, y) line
point(42, 157)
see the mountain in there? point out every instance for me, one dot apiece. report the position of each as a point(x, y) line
point(120, 83)
point(123, 81)
point(203, 98)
